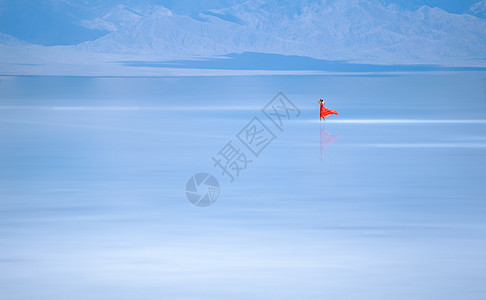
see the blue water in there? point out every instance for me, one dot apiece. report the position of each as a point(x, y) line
point(384, 201)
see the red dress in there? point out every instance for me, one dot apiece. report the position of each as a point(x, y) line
point(326, 112)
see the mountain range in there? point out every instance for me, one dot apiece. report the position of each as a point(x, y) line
point(363, 31)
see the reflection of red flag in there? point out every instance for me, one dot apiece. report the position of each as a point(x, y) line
point(325, 112)
point(326, 140)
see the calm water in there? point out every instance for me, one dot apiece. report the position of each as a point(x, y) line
point(367, 206)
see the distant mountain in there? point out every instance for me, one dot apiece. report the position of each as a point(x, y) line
point(371, 31)
point(354, 30)
point(44, 22)
point(451, 6)
point(479, 9)
point(10, 41)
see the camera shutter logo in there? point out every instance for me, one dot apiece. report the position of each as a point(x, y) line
point(202, 189)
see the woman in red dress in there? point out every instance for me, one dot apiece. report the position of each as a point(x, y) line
point(325, 112)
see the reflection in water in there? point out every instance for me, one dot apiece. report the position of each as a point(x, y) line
point(326, 139)
point(92, 202)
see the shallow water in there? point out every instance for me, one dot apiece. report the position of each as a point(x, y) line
point(93, 174)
